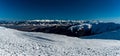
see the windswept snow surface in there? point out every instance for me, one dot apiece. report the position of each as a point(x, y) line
point(18, 43)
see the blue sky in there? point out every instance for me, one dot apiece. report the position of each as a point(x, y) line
point(60, 9)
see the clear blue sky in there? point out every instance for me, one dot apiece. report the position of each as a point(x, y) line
point(60, 9)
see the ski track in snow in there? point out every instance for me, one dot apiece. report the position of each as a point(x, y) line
point(18, 43)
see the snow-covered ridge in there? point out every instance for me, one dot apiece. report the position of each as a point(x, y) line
point(18, 43)
point(66, 27)
point(94, 26)
point(49, 21)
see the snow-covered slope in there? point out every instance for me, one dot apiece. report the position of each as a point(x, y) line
point(18, 43)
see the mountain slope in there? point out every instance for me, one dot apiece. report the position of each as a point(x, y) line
point(18, 43)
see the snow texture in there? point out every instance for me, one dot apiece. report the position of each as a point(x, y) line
point(18, 43)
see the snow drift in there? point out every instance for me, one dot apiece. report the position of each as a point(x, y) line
point(18, 43)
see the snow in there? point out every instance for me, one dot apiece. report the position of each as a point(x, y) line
point(18, 43)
